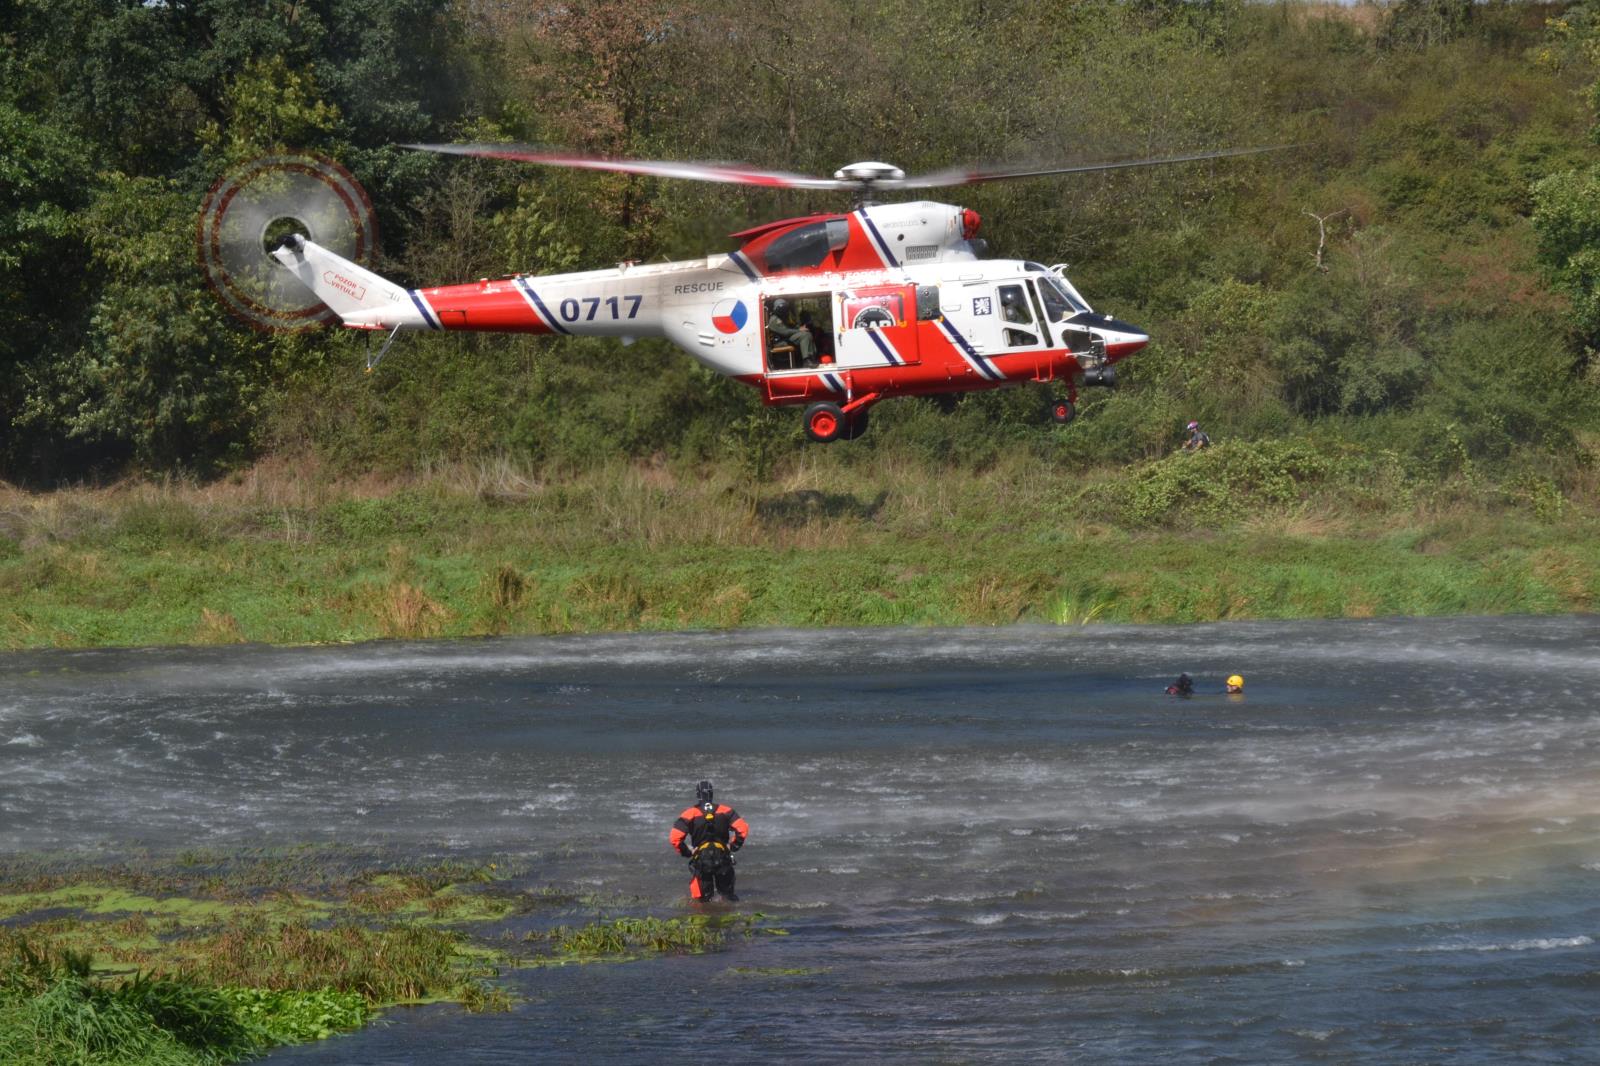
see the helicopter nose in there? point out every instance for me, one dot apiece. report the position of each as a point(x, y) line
point(1120, 338)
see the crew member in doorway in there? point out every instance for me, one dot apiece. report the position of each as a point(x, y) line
point(819, 337)
point(1184, 686)
point(799, 336)
point(707, 834)
point(1197, 438)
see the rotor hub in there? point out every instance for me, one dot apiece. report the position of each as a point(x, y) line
point(869, 172)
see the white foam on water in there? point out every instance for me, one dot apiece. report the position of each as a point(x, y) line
point(1540, 944)
point(962, 897)
point(1534, 944)
point(25, 740)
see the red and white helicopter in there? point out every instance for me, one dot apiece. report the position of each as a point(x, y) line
point(896, 299)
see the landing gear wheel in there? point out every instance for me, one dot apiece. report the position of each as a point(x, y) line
point(1062, 411)
point(856, 425)
point(825, 423)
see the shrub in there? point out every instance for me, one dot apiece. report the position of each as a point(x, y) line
point(1215, 484)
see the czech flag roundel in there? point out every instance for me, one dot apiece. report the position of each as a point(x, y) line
point(729, 316)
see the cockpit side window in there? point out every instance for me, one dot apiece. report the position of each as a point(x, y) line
point(1057, 308)
point(1054, 292)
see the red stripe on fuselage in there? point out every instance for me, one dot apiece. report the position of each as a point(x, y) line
point(485, 305)
point(941, 369)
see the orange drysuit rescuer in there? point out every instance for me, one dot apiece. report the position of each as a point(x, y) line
point(707, 834)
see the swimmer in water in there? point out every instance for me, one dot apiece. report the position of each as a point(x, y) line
point(1184, 686)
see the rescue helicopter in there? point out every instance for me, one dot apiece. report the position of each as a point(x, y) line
point(897, 299)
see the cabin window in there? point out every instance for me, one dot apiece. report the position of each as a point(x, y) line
point(806, 246)
point(1014, 313)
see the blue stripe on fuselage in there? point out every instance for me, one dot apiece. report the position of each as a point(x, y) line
point(427, 315)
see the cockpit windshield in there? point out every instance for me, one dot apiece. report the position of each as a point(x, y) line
point(1060, 302)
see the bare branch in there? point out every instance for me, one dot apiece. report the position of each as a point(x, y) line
point(1322, 231)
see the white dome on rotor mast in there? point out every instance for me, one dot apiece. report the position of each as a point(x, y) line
point(869, 171)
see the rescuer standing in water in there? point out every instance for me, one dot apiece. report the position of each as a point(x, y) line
point(707, 834)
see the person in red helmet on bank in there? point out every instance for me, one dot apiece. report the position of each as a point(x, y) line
point(1197, 438)
point(707, 834)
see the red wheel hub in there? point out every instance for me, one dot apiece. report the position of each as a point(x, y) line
point(824, 424)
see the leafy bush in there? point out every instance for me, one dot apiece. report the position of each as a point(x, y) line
point(1216, 484)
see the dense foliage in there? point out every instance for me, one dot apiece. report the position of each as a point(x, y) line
point(1420, 276)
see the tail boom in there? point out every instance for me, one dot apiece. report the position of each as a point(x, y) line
point(606, 303)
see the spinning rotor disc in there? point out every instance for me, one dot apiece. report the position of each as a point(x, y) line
point(864, 179)
point(251, 207)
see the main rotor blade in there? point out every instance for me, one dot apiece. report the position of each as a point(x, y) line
point(727, 173)
point(960, 176)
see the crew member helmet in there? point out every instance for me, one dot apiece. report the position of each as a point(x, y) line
point(1192, 425)
point(1236, 681)
point(779, 306)
point(702, 792)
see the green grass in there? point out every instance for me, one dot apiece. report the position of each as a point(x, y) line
point(211, 957)
point(1273, 530)
point(208, 958)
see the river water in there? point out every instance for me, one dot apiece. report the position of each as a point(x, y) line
point(985, 844)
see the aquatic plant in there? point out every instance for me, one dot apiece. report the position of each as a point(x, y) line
point(622, 937)
point(294, 1017)
point(207, 958)
point(397, 964)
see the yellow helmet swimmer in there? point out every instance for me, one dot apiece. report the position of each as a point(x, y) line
point(1235, 683)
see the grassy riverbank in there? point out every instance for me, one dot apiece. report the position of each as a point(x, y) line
point(1268, 530)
